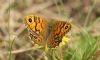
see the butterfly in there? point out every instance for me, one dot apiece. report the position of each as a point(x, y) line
point(46, 32)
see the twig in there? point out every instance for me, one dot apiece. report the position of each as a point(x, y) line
point(19, 51)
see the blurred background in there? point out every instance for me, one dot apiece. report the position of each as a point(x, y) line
point(84, 36)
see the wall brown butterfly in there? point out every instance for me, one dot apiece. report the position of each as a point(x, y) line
point(43, 31)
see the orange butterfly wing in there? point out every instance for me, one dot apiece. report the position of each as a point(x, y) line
point(36, 26)
point(59, 29)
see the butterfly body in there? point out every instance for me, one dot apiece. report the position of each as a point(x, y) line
point(44, 31)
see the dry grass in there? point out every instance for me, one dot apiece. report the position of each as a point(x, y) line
point(14, 35)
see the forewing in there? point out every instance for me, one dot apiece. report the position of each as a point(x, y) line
point(59, 29)
point(37, 28)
